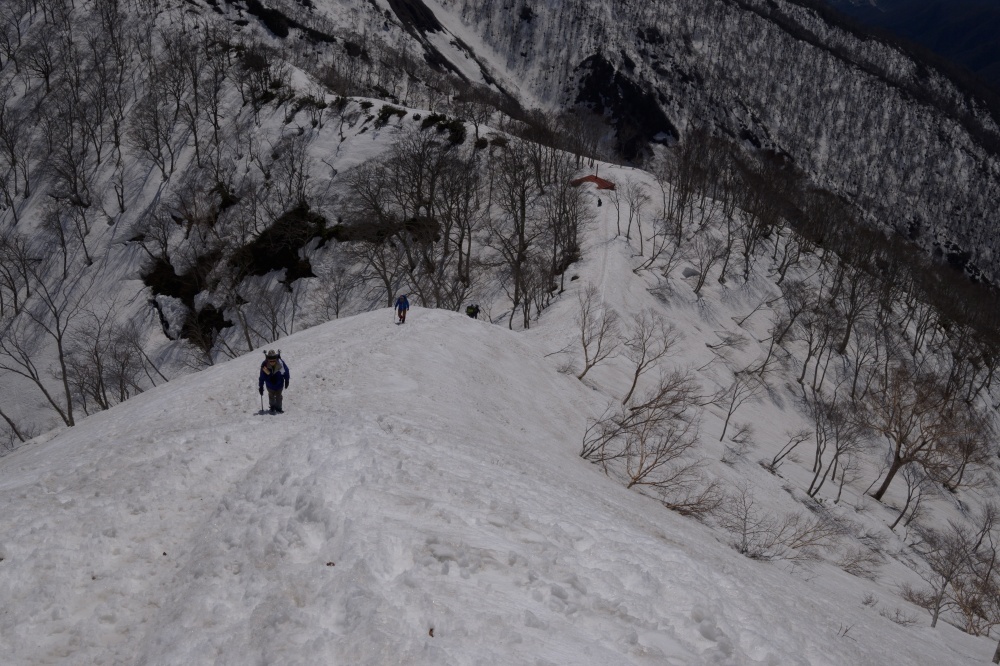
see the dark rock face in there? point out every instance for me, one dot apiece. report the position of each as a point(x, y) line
point(415, 16)
point(635, 112)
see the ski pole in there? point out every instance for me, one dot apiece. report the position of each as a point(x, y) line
point(261, 401)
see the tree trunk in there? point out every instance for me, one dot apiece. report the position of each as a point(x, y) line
point(897, 464)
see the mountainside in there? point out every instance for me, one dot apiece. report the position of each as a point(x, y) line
point(907, 147)
point(964, 31)
point(676, 220)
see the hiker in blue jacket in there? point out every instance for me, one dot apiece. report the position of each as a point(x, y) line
point(273, 373)
point(402, 305)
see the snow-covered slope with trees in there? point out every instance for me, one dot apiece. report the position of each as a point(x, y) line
point(805, 402)
point(912, 150)
point(421, 501)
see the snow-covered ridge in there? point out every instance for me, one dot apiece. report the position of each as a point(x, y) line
point(421, 502)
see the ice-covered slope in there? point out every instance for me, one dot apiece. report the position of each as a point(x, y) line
point(421, 502)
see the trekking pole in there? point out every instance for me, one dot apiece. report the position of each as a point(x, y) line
point(261, 401)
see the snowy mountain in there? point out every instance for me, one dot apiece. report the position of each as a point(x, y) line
point(715, 411)
point(873, 123)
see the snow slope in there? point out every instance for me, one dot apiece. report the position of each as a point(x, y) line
point(420, 502)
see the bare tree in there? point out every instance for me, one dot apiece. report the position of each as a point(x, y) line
point(863, 360)
point(105, 360)
point(912, 412)
point(917, 483)
point(600, 435)
point(794, 439)
point(71, 163)
point(704, 252)
point(337, 284)
point(599, 329)
point(818, 325)
point(745, 387)
point(477, 105)
point(261, 73)
point(635, 197)
point(444, 271)
point(797, 298)
point(14, 430)
point(128, 341)
point(760, 535)
point(968, 445)
point(661, 245)
point(861, 561)
point(654, 451)
point(17, 144)
point(835, 433)
point(268, 313)
point(585, 131)
point(188, 64)
point(18, 265)
point(691, 169)
point(11, 32)
point(856, 301)
point(112, 57)
point(49, 317)
point(652, 339)
point(151, 131)
point(40, 55)
point(952, 555)
point(153, 233)
point(426, 198)
point(289, 181)
point(20, 352)
point(650, 441)
point(617, 197)
point(760, 206)
point(565, 210)
point(792, 250)
point(514, 232)
point(383, 262)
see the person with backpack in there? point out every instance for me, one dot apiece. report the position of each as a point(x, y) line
point(273, 374)
point(472, 311)
point(402, 305)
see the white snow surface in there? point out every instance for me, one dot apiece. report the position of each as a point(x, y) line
point(421, 501)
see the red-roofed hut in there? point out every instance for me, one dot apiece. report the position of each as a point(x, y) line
point(601, 183)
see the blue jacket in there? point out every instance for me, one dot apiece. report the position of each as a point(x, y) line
point(402, 303)
point(276, 379)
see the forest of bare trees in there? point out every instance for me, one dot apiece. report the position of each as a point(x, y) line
point(895, 372)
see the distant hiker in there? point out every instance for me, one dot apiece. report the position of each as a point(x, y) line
point(273, 373)
point(472, 311)
point(598, 202)
point(402, 305)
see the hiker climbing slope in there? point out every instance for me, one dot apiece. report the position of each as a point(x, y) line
point(402, 305)
point(274, 374)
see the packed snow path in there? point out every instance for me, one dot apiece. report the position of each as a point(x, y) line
point(421, 501)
